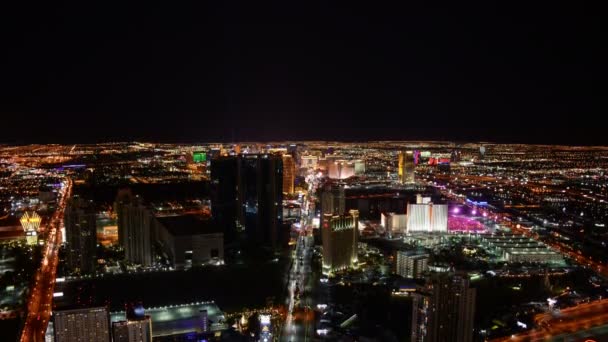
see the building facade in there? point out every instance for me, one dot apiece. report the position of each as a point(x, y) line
point(340, 169)
point(135, 225)
point(333, 200)
point(406, 167)
point(289, 173)
point(411, 264)
point(139, 330)
point(224, 199)
point(260, 197)
point(420, 304)
point(393, 223)
point(81, 236)
point(451, 312)
point(81, 325)
point(339, 234)
point(427, 217)
point(189, 240)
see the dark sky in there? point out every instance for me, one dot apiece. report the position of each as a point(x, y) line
point(222, 70)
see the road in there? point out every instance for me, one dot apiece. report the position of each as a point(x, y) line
point(570, 320)
point(299, 324)
point(39, 306)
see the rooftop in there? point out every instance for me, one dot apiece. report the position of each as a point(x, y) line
point(180, 225)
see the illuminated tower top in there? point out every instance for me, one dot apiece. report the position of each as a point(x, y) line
point(30, 222)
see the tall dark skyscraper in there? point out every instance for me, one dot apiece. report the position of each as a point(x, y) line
point(224, 199)
point(81, 236)
point(260, 197)
point(333, 200)
point(134, 228)
point(248, 195)
point(451, 311)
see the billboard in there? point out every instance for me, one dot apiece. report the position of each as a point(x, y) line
point(199, 157)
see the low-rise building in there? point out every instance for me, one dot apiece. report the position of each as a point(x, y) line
point(518, 248)
point(412, 264)
point(189, 240)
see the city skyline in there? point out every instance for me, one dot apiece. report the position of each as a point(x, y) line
point(304, 240)
point(303, 171)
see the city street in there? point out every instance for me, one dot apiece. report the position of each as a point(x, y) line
point(41, 295)
point(300, 322)
point(299, 325)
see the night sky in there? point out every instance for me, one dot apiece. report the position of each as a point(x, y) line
point(226, 71)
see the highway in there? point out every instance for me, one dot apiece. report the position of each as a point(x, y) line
point(570, 320)
point(39, 306)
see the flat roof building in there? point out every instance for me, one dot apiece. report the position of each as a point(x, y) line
point(139, 330)
point(411, 264)
point(81, 325)
point(190, 240)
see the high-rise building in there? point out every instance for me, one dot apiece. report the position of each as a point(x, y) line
point(406, 167)
point(81, 236)
point(333, 200)
point(411, 264)
point(260, 197)
point(135, 222)
point(204, 321)
point(81, 325)
point(224, 198)
point(339, 234)
point(289, 173)
point(139, 330)
point(123, 198)
point(420, 304)
point(451, 311)
point(248, 195)
point(427, 217)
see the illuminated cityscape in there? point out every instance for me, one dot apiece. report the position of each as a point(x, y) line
point(215, 171)
point(472, 250)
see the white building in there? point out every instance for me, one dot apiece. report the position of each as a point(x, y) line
point(394, 223)
point(427, 217)
point(411, 264)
